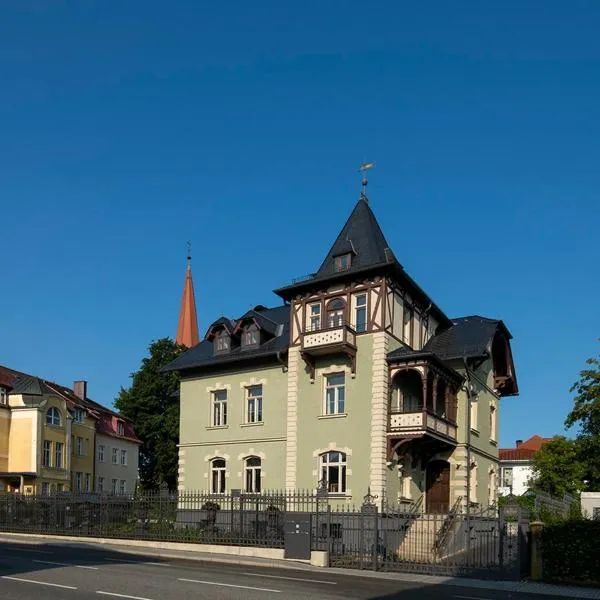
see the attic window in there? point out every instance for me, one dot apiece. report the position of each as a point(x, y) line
point(222, 342)
point(250, 337)
point(3, 396)
point(120, 428)
point(343, 262)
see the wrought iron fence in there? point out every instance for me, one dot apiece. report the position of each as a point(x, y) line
point(370, 536)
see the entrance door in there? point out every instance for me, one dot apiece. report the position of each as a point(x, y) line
point(438, 487)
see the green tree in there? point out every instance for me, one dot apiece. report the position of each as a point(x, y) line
point(585, 415)
point(152, 404)
point(557, 467)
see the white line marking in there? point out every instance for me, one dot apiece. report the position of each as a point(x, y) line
point(230, 585)
point(137, 562)
point(291, 578)
point(156, 564)
point(29, 550)
point(471, 598)
point(58, 585)
point(121, 595)
point(62, 564)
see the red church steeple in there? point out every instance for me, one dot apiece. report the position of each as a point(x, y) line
point(187, 329)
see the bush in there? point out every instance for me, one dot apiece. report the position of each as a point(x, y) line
point(571, 551)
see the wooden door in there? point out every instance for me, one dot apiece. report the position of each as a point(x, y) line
point(438, 487)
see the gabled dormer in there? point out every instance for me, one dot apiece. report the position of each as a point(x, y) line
point(221, 334)
point(254, 329)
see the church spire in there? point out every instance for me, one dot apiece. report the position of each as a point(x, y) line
point(187, 329)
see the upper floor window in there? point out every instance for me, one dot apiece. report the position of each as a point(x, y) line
point(101, 450)
point(80, 447)
point(47, 453)
point(217, 479)
point(507, 477)
point(100, 486)
point(124, 458)
point(53, 417)
point(250, 336)
point(493, 422)
point(335, 312)
point(314, 317)
point(219, 408)
point(78, 481)
point(254, 402)
point(335, 394)
point(3, 396)
point(406, 324)
point(79, 415)
point(222, 341)
point(360, 321)
point(115, 456)
point(120, 428)
point(343, 262)
point(253, 473)
point(474, 413)
point(122, 487)
point(333, 472)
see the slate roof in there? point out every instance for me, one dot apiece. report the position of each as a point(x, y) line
point(229, 325)
point(362, 236)
point(203, 354)
point(469, 337)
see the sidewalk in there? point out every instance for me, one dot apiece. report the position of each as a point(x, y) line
point(522, 587)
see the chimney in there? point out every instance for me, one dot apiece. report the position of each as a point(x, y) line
point(80, 389)
point(519, 442)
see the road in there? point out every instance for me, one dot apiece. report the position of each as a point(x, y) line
point(80, 572)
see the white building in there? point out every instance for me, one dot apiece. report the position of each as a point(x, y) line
point(516, 466)
point(590, 505)
point(117, 455)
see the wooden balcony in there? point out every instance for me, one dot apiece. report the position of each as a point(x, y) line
point(339, 339)
point(421, 423)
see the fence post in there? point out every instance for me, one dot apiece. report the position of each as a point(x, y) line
point(537, 560)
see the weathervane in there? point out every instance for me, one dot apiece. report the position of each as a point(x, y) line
point(189, 254)
point(364, 167)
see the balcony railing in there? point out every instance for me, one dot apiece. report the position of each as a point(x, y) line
point(422, 421)
point(340, 334)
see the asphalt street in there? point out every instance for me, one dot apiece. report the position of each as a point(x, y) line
point(81, 572)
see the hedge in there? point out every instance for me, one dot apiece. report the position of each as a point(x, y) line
point(571, 551)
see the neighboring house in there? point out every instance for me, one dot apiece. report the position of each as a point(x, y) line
point(117, 450)
point(516, 466)
point(5, 387)
point(51, 435)
point(357, 382)
point(590, 505)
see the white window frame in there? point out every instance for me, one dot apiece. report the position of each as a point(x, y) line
point(123, 458)
point(493, 422)
point(329, 463)
point(360, 308)
point(115, 456)
point(222, 341)
point(338, 406)
point(88, 482)
point(59, 455)
point(79, 415)
point(78, 481)
point(314, 316)
point(3, 397)
point(253, 475)
point(53, 417)
point(120, 428)
point(122, 487)
point(100, 485)
point(218, 476)
point(47, 454)
point(407, 317)
point(100, 453)
point(219, 408)
point(474, 400)
point(505, 471)
point(80, 448)
point(254, 404)
point(473, 483)
point(113, 485)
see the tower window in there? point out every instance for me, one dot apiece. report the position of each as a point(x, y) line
point(343, 262)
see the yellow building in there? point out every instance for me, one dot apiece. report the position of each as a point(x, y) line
point(47, 437)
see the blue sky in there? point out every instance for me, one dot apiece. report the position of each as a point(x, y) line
point(128, 128)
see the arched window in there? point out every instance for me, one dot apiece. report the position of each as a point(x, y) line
point(333, 471)
point(53, 417)
point(253, 474)
point(335, 312)
point(407, 392)
point(217, 475)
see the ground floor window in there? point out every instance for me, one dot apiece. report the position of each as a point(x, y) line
point(217, 470)
point(333, 471)
point(253, 474)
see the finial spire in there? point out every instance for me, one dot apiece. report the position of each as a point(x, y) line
point(364, 167)
point(189, 255)
point(187, 328)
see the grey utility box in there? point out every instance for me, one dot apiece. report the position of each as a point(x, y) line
point(297, 535)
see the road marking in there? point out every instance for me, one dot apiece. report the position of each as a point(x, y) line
point(137, 562)
point(28, 550)
point(230, 585)
point(471, 598)
point(121, 595)
point(58, 585)
point(291, 578)
point(62, 564)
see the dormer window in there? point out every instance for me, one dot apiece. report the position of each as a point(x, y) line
point(3, 397)
point(250, 336)
point(222, 342)
point(343, 262)
point(120, 428)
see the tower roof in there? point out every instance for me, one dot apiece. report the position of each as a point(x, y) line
point(187, 329)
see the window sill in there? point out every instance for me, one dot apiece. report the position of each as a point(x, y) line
point(340, 495)
point(475, 431)
point(217, 427)
point(336, 416)
point(257, 424)
point(493, 442)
